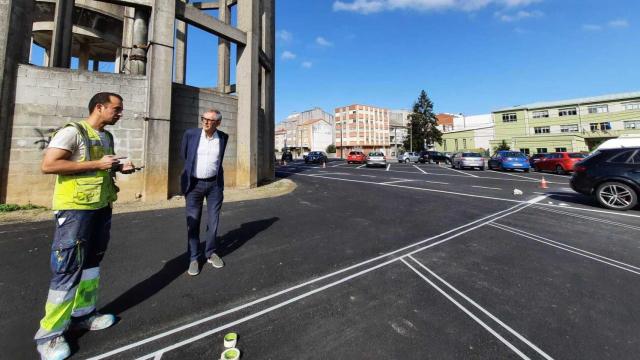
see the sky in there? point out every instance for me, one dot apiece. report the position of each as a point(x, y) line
point(470, 56)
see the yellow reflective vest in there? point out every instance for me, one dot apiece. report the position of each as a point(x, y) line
point(88, 190)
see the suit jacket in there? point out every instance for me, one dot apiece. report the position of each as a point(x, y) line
point(189, 152)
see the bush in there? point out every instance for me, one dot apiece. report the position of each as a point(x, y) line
point(16, 207)
point(331, 149)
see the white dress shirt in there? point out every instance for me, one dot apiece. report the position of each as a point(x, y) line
point(208, 156)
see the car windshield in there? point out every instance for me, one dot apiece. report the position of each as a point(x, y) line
point(578, 155)
point(314, 153)
point(376, 154)
point(471, 155)
point(514, 154)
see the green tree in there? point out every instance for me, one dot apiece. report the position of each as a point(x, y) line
point(331, 149)
point(503, 146)
point(423, 125)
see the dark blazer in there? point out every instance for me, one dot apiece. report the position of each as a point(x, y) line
point(189, 152)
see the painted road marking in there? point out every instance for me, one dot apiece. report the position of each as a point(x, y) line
point(486, 187)
point(479, 177)
point(590, 218)
point(282, 292)
point(416, 166)
point(371, 176)
point(569, 248)
point(477, 306)
point(388, 167)
point(435, 182)
point(520, 176)
point(398, 181)
point(461, 172)
point(361, 166)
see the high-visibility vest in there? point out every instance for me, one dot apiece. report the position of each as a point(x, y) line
point(90, 190)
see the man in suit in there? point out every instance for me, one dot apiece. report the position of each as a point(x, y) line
point(203, 178)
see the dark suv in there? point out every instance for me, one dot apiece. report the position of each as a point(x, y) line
point(430, 156)
point(612, 176)
point(316, 157)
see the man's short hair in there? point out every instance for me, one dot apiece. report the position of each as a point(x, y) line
point(101, 98)
point(215, 111)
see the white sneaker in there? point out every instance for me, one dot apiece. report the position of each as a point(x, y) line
point(54, 349)
point(96, 322)
point(215, 261)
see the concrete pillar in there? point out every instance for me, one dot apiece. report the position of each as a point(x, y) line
point(181, 51)
point(83, 61)
point(224, 50)
point(247, 77)
point(127, 40)
point(157, 129)
point(16, 19)
point(46, 57)
point(62, 34)
point(138, 56)
point(268, 86)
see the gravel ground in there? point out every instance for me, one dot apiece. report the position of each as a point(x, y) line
point(276, 188)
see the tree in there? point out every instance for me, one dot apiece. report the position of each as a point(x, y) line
point(423, 125)
point(331, 149)
point(503, 146)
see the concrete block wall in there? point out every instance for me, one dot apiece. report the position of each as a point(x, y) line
point(187, 104)
point(49, 98)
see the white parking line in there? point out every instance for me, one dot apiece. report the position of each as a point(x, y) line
point(370, 176)
point(461, 172)
point(569, 248)
point(388, 167)
point(476, 305)
point(361, 166)
point(398, 181)
point(520, 176)
point(435, 182)
point(483, 221)
point(416, 166)
point(590, 218)
point(486, 187)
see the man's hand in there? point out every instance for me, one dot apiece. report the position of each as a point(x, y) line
point(107, 162)
point(128, 168)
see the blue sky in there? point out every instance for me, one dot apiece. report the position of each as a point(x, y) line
point(471, 56)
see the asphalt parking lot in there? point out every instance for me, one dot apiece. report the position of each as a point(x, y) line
point(405, 262)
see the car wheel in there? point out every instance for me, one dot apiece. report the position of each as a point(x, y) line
point(559, 170)
point(617, 196)
point(481, 168)
point(527, 170)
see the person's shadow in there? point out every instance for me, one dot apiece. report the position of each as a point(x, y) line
point(177, 266)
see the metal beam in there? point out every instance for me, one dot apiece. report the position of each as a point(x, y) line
point(194, 16)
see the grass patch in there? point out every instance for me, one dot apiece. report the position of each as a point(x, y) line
point(4, 208)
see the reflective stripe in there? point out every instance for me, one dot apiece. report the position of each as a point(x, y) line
point(56, 316)
point(89, 274)
point(60, 296)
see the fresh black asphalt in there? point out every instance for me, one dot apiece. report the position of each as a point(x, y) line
point(413, 262)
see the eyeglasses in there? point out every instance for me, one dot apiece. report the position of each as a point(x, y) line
point(205, 120)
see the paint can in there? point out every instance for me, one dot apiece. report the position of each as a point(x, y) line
point(230, 340)
point(230, 354)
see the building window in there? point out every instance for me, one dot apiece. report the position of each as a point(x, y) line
point(541, 130)
point(567, 112)
point(569, 128)
point(632, 106)
point(598, 109)
point(633, 124)
point(464, 143)
point(510, 117)
point(541, 150)
point(540, 114)
point(525, 151)
point(603, 126)
point(561, 149)
point(456, 141)
point(445, 144)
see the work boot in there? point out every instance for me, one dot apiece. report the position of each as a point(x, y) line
point(95, 322)
point(194, 268)
point(215, 260)
point(54, 349)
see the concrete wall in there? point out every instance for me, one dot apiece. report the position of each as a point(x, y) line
point(187, 104)
point(47, 99)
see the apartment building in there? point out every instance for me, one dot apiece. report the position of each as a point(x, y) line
point(362, 127)
point(464, 132)
point(567, 125)
point(306, 131)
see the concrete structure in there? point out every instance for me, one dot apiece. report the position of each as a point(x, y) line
point(38, 100)
point(462, 132)
point(365, 127)
point(306, 131)
point(398, 131)
point(567, 125)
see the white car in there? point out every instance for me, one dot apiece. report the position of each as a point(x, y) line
point(467, 160)
point(409, 157)
point(376, 158)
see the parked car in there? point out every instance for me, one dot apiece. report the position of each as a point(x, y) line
point(560, 162)
point(356, 157)
point(509, 160)
point(448, 155)
point(408, 157)
point(376, 158)
point(611, 175)
point(318, 157)
point(467, 160)
point(535, 158)
point(430, 156)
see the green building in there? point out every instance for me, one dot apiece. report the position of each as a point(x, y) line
point(568, 125)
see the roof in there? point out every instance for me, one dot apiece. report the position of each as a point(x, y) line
point(468, 129)
point(587, 100)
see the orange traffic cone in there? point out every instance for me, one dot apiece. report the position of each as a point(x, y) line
point(543, 184)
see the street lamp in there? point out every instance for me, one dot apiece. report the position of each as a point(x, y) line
point(342, 137)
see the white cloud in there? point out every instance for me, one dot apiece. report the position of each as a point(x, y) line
point(307, 64)
point(288, 55)
point(374, 6)
point(323, 42)
point(520, 15)
point(619, 23)
point(284, 35)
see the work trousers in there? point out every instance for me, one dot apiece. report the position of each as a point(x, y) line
point(79, 243)
point(213, 193)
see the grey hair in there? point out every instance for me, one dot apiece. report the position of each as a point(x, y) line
point(215, 111)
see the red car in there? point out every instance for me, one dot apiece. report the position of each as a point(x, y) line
point(356, 157)
point(559, 162)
